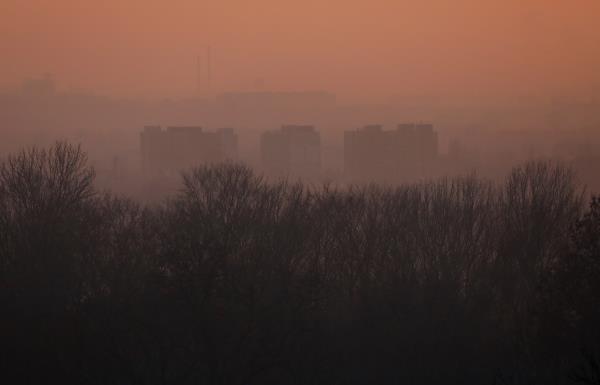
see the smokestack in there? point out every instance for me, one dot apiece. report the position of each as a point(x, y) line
point(208, 72)
point(198, 76)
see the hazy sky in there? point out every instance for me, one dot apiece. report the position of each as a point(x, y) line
point(360, 49)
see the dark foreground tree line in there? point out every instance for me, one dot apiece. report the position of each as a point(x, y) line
point(240, 281)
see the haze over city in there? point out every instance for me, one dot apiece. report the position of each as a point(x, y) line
point(275, 192)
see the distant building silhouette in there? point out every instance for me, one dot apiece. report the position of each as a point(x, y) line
point(288, 101)
point(38, 87)
point(293, 151)
point(177, 148)
point(374, 154)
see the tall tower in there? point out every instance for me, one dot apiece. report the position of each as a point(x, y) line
point(198, 77)
point(206, 80)
point(208, 72)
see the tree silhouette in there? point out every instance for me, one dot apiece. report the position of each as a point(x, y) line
point(239, 280)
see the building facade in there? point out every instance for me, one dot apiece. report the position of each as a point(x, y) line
point(405, 154)
point(168, 152)
point(292, 151)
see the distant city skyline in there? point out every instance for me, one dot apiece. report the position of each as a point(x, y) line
point(405, 98)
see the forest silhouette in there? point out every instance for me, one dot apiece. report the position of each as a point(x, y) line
point(239, 280)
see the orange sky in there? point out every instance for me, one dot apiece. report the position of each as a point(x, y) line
point(363, 49)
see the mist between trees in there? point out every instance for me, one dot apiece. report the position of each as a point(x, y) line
point(236, 280)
